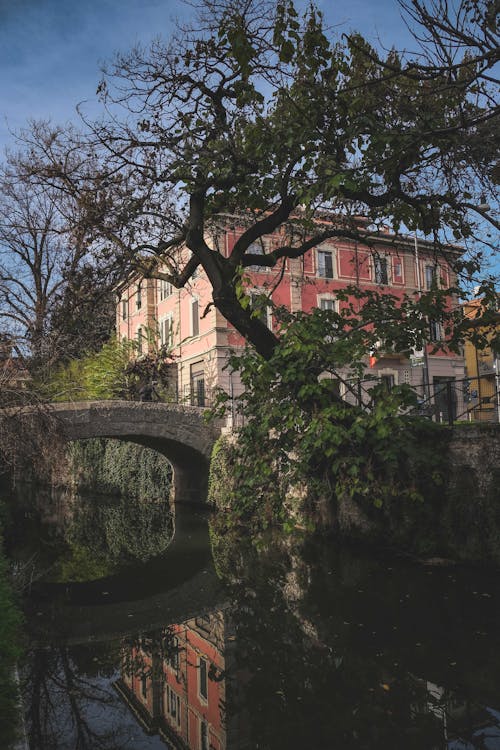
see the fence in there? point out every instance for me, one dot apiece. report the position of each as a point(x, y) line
point(474, 399)
point(447, 400)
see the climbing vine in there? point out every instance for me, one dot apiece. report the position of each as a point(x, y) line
point(118, 468)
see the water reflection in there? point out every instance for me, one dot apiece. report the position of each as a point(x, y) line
point(305, 646)
point(174, 683)
point(69, 537)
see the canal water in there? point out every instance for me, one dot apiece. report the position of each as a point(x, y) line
point(175, 637)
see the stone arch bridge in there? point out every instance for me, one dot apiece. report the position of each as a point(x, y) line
point(179, 432)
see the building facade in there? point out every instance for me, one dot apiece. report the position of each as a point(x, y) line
point(200, 339)
point(483, 370)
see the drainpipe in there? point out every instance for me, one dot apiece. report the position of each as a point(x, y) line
point(425, 371)
point(496, 367)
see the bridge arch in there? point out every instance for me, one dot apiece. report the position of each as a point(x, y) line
point(178, 432)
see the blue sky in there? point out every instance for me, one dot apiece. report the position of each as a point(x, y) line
point(50, 50)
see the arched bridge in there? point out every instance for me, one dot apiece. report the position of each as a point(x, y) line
point(179, 432)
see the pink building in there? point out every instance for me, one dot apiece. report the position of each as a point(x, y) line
point(201, 339)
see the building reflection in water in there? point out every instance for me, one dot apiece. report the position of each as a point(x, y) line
point(174, 683)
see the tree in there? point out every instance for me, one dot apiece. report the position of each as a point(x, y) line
point(50, 296)
point(256, 111)
point(309, 449)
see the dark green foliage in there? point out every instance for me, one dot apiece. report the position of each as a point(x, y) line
point(221, 479)
point(300, 438)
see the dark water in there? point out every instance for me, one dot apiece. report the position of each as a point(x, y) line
point(212, 643)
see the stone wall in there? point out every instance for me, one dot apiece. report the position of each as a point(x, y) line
point(459, 515)
point(475, 456)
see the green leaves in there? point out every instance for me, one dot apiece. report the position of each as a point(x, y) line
point(97, 376)
point(300, 438)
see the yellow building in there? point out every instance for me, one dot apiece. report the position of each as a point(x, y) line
point(482, 365)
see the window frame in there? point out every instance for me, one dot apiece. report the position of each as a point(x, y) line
point(327, 298)
point(203, 683)
point(256, 248)
point(166, 340)
point(433, 278)
point(204, 734)
point(165, 290)
point(380, 269)
point(255, 292)
point(144, 687)
point(194, 320)
point(435, 331)
point(327, 252)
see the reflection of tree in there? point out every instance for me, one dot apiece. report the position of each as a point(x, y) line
point(318, 661)
point(143, 655)
point(64, 704)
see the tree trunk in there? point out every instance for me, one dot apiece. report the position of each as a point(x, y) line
point(251, 328)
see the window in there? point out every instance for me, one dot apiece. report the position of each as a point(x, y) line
point(139, 341)
point(203, 679)
point(195, 318)
point(387, 381)
point(144, 687)
point(260, 305)
point(325, 264)
point(203, 735)
point(173, 654)
point(198, 384)
point(380, 266)
point(138, 297)
point(165, 289)
point(327, 304)
point(256, 248)
point(173, 705)
point(434, 331)
point(445, 398)
point(167, 331)
point(124, 309)
point(430, 278)
point(397, 270)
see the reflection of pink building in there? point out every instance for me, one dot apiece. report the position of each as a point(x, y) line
point(201, 338)
point(175, 685)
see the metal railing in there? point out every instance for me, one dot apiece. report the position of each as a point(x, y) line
point(472, 399)
point(445, 400)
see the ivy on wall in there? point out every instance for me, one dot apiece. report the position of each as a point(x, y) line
point(117, 468)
